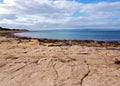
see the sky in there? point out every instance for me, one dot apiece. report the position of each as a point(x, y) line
point(60, 14)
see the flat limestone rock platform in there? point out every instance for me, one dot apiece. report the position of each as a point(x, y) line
point(27, 62)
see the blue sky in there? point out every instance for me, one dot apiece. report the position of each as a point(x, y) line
point(60, 14)
point(1, 1)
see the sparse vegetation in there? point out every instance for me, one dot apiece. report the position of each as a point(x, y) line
point(7, 29)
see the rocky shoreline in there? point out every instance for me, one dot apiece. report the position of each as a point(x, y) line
point(45, 62)
point(53, 42)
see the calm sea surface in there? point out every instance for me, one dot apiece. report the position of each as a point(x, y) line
point(74, 35)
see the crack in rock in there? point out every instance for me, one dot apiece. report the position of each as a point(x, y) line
point(56, 72)
point(55, 69)
point(86, 75)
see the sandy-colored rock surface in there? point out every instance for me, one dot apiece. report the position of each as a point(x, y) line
point(27, 63)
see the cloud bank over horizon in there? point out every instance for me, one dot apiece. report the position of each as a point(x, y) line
point(59, 14)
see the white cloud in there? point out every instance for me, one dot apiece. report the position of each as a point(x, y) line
point(9, 1)
point(59, 14)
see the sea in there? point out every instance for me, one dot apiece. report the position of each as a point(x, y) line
point(74, 34)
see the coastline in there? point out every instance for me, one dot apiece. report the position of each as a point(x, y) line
point(55, 42)
point(33, 62)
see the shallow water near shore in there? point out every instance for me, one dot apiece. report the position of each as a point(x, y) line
point(97, 35)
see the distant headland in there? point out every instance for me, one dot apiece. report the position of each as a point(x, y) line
point(7, 29)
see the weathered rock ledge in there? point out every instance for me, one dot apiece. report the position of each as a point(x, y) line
point(37, 62)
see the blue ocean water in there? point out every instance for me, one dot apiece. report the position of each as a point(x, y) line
point(98, 35)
